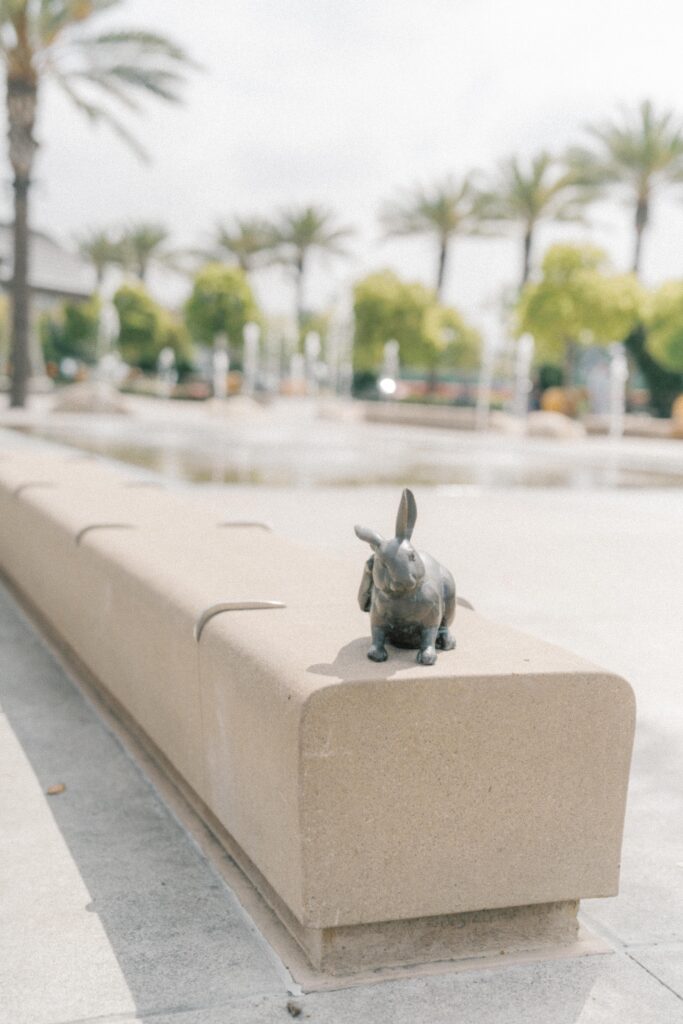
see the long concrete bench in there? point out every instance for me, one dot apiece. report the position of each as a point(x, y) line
point(389, 813)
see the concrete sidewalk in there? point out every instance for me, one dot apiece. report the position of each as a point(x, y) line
point(108, 911)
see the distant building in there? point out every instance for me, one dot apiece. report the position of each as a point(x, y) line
point(54, 273)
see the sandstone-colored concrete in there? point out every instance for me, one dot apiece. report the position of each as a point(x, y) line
point(141, 648)
point(127, 600)
point(495, 778)
point(358, 796)
point(160, 587)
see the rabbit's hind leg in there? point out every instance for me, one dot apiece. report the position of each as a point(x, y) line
point(445, 640)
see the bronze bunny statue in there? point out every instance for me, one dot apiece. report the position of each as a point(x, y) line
point(410, 597)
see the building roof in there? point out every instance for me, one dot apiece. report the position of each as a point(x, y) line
point(53, 269)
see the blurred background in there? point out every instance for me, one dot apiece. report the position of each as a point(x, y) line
point(312, 244)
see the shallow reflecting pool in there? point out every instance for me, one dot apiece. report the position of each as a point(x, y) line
point(302, 450)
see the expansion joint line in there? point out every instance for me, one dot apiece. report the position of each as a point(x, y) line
point(231, 606)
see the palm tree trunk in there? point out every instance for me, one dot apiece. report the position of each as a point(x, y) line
point(526, 262)
point(21, 304)
point(299, 284)
point(642, 213)
point(22, 98)
point(441, 269)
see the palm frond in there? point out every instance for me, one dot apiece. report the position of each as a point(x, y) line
point(121, 77)
point(145, 242)
point(97, 113)
point(109, 86)
point(101, 248)
point(525, 193)
point(54, 16)
point(141, 43)
point(642, 149)
point(110, 69)
point(447, 208)
point(126, 63)
point(249, 240)
point(176, 261)
point(302, 228)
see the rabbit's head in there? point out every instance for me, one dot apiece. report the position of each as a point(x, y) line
point(398, 568)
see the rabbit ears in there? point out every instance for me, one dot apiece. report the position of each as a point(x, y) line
point(407, 515)
point(405, 523)
point(369, 536)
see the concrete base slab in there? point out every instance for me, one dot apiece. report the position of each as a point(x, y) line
point(446, 937)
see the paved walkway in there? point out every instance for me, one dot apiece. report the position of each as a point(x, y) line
point(108, 912)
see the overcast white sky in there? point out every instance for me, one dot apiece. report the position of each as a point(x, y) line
point(344, 102)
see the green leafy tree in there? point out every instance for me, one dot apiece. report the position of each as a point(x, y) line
point(460, 342)
point(100, 72)
point(429, 335)
point(664, 324)
point(638, 155)
point(71, 331)
point(527, 195)
point(172, 333)
point(221, 302)
point(446, 210)
point(387, 308)
point(663, 384)
point(145, 328)
point(577, 302)
point(138, 326)
point(247, 240)
point(299, 233)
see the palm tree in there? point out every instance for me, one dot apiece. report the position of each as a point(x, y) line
point(640, 154)
point(102, 250)
point(247, 240)
point(527, 195)
point(444, 211)
point(298, 232)
point(99, 72)
point(145, 243)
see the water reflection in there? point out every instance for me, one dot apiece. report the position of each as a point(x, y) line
point(349, 455)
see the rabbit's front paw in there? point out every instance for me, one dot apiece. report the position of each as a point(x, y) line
point(427, 656)
point(377, 653)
